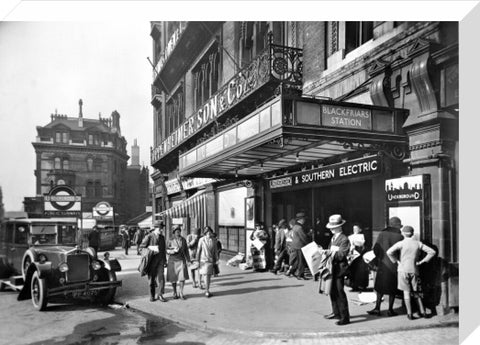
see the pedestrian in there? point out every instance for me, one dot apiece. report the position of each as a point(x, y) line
point(125, 238)
point(94, 239)
point(155, 242)
point(192, 243)
point(339, 247)
point(358, 270)
point(290, 250)
point(281, 250)
point(138, 238)
point(216, 268)
point(178, 257)
point(386, 277)
point(207, 256)
point(300, 238)
point(406, 253)
point(259, 238)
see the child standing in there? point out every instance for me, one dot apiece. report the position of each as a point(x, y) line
point(408, 271)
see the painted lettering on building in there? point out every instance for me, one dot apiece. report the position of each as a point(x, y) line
point(346, 117)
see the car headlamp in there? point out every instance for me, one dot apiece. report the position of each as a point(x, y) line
point(63, 267)
point(42, 258)
point(96, 265)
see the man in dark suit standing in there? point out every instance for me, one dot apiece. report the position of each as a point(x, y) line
point(339, 247)
point(300, 238)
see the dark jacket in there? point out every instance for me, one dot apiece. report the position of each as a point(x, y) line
point(299, 237)
point(145, 262)
point(94, 238)
point(280, 240)
point(153, 240)
point(386, 278)
point(339, 262)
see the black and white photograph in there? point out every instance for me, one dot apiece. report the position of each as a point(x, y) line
point(237, 172)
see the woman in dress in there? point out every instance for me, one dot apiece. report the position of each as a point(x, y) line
point(177, 270)
point(207, 256)
point(192, 242)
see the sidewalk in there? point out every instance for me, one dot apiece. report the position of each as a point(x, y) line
point(262, 304)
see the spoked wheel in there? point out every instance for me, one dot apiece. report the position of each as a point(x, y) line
point(39, 292)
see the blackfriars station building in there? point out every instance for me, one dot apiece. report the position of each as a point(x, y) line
point(256, 121)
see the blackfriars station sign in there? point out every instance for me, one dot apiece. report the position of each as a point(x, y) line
point(356, 168)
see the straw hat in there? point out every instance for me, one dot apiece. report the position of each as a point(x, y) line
point(335, 221)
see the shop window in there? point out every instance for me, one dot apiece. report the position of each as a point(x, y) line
point(357, 33)
point(57, 163)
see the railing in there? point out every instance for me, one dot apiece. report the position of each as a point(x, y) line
point(255, 124)
point(276, 63)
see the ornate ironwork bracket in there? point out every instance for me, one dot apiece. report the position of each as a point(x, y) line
point(397, 152)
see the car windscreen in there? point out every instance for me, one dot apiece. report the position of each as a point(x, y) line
point(67, 234)
point(42, 229)
point(44, 239)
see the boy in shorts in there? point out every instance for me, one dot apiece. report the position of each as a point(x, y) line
point(409, 251)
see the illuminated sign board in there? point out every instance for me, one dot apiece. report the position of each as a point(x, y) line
point(346, 117)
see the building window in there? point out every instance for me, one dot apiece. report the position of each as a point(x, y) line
point(357, 33)
point(97, 165)
point(89, 164)
point(253, 39)
point(66, 164)
point(206, 76)
point(58, 137)
point(90, 139)
point(58, 163)
point(175, 109)
point(65, 137)
point(98, 189)
point(90, 189)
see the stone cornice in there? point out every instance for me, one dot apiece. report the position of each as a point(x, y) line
point(41, 147)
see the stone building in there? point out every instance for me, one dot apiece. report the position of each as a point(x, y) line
point(86, 154)
point(256, 121)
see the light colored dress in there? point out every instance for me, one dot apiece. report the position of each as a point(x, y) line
point(207, 254)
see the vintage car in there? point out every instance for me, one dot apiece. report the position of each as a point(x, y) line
point(53, 272)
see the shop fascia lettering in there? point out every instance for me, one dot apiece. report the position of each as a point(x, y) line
point(234, 91)
point(366, 166)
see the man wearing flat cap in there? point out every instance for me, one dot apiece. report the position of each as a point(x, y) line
point(386, 278)
point(339, 247)
point(300, 238)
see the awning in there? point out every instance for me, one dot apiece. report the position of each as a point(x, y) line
point(146, 223)
point(194, 206)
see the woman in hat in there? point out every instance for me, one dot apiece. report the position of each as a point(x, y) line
point(259, 239)
point(177, 270)
point(358, 268)
point(192, 242)
point(207, 256)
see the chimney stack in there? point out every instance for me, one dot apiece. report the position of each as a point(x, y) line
point(80, 114)
point(116, 122)
point(135, 154)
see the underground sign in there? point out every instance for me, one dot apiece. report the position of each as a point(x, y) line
point(103, 210)
point(62, 201)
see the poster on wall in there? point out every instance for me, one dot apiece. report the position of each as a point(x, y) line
point(250, 213)
point(409, 215)
point(231, 208)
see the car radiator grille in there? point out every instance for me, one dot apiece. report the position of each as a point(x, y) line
point(78, 267)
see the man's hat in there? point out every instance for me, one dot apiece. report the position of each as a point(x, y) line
point(335, 221)
point(408, 229)
point(395, 222)
point(300, 215)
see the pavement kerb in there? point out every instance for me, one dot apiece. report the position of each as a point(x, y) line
point(340, 333)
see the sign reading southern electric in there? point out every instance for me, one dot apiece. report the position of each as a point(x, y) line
point(360, 167)
point(346, 117)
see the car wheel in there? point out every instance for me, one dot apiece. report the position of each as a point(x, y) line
point(39, 292)
point(106, 296)
point(26, 263)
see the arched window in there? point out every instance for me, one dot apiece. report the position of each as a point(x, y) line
point(58, 163)
point(90, 190)
point(98, 189)
point(66, 164)
point(89, 164)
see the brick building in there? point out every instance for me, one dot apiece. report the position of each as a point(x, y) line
point(255, 121)
point(87, 154)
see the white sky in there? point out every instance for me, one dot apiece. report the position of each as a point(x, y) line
point(51, 65)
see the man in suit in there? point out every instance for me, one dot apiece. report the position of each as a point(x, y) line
point(339, 247)
point(156, 242)
point(300, 238)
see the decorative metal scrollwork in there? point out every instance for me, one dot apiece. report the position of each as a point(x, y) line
point(286, 63)
point(397, 152)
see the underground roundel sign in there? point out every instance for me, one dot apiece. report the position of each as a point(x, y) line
point(103, 210)
point(62, 201)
